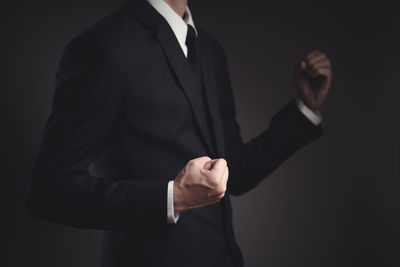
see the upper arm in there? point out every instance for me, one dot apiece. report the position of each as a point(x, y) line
point(86, 100)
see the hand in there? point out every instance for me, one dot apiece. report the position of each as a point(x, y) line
point(313, 79)
point(200, 183)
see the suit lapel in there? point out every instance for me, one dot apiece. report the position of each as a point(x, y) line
point(184, 74)
point(180, 66)
point(207, 68)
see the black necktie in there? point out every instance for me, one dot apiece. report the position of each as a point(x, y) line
point(193, 57)
point(191, 44)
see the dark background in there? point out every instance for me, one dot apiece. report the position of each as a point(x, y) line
point(335, 203)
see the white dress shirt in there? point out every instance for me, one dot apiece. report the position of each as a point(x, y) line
point(179, 27)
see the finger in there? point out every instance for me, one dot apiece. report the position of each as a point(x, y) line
point(316, 58)
point(208, 165)
point(219, 166)
point(219, 197)
point(327, 73)
point(302, 65)
point(312, 54)
point(210, 201)
point(300, 68)
point(204, 158)
point(321, 64)
point(202, 203)
point(322, 71)
point(200, 161)
point(214, 195)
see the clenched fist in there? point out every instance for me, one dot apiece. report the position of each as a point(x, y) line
point(313, 79)
point(200, 183)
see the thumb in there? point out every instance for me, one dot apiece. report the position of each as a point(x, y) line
point(300, 69)
point(219, 166)
point(303, 65)
point(208, 165)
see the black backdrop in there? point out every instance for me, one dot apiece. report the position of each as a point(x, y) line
point(335, 203)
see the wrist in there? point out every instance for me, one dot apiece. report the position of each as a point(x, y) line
point(313, 115)
point(177, 196)
point(172, 215)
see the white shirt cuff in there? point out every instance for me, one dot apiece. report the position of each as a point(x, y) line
point(314, 117)
point(172, 217)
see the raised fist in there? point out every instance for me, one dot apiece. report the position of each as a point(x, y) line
point(200, 183)
point(313, 79)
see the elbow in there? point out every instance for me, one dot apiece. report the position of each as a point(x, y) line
point(37, 206)
point(38, 200)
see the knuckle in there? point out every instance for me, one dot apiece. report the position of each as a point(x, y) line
point(202, 159)
point(224, 188)
point(221, 190)
point(205, 172)
point(213, 183)
point(223, 161)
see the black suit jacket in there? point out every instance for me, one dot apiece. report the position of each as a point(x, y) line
point(124, 122)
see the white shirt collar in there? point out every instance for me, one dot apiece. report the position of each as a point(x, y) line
point(177, 24)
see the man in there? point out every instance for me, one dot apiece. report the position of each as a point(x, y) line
point(142, 140)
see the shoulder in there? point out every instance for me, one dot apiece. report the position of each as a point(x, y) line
point(109, 37)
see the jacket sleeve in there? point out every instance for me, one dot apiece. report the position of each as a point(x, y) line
point(86, 103)
point(249, 163)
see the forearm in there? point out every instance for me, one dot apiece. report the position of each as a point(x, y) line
point(251, 162)
point(93, 202)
